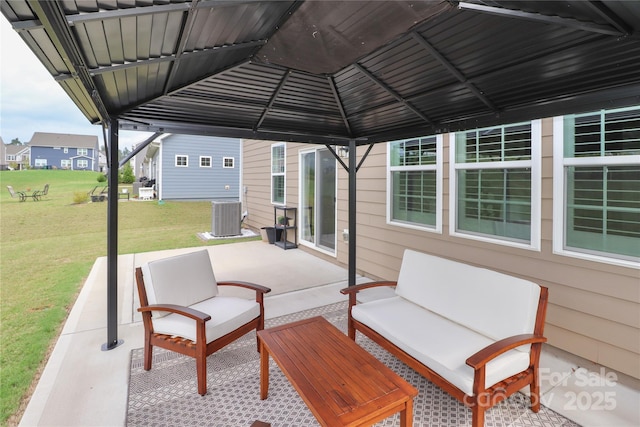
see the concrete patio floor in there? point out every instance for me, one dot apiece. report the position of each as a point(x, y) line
point(85, 386)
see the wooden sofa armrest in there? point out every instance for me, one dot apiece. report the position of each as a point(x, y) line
point(247, 285)
point(353, 290)
point(357, 288)
point(490, 352)
point(177, 309)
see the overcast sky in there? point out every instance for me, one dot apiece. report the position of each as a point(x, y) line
point(31, 100)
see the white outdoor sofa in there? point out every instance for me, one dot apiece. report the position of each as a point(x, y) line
point(474, 332)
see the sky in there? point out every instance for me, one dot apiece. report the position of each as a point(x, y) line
point(32, 101)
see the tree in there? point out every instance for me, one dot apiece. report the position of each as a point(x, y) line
point(126, 174)
point(16, 141)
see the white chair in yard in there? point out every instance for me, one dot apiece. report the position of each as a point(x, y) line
point(183, 312)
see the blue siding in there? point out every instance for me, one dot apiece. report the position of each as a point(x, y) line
point(55, 157)
point(194, 181)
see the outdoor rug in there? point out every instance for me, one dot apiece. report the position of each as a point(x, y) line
point(167, 394)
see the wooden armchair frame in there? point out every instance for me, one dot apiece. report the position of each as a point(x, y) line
point(200, 349)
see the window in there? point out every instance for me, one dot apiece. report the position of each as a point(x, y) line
point(414, 182)
point(495, 193)
point(40, 162)
point(11, 157)
point(65, 164)
point(205, 161)
point(277, 173)
point(182, 161)
point(228, 162)
point(82, 151)
point(83, 164)
point(66, 150)
point(597, 185)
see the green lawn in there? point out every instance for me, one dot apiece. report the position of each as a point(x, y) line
point(47, 249)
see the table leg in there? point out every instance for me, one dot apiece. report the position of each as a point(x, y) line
point(406, 415)
point(264, 371)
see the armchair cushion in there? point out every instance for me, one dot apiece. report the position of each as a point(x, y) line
point(227, 315)
point(182, 280)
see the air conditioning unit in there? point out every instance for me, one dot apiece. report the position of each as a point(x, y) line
point(226, 218)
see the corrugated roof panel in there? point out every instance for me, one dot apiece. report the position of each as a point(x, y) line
point(232, 23)
point(303, 121)
point(382, 117)
point(307, 91)
point(513, 86)
point(408, 68)
point(455, 37)
point(193, 67)
point(455, 99)
point(124, 87)
point(358, 92)
point(245, 84)
point(51, 59)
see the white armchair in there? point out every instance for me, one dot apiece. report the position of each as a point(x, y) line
point(183, 312)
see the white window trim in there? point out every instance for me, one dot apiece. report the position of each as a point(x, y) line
point(82, 152)
point(559, 196)
point(536, 190)
point(439, 187)
point(175, 163)
point(283, 173)
point(204, 157)
point(233, 161)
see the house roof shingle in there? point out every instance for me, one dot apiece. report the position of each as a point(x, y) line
point(46, 139)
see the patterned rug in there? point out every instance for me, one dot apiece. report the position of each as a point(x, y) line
point(166, 395)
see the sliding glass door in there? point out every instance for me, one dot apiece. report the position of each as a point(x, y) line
point(318, 199)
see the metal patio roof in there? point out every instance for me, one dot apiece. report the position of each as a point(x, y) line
point(336, 73)
point(331, 72)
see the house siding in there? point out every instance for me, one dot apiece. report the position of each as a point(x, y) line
point(594, 307)
point(55, 156)
point(193, 181)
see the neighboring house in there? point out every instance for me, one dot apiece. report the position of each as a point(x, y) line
point(3, 156)
point(16, 156)
point(193, 167)
point(102, 162)
point(555, 201)
point(64, 151)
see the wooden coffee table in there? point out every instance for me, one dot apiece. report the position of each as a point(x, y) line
point(341, 383)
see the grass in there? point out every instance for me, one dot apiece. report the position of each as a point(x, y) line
point(46, 252)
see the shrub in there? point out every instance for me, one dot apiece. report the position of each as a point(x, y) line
point(102, 178)
point(80, 197)
point(126, 175)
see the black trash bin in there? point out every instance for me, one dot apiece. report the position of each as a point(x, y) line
point(273, 234)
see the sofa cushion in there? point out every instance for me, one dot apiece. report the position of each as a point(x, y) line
point(437, 342)
point(227, 315)
point(183, 280)
point(491, 303)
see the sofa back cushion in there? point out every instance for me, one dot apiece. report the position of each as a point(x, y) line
point(183, 280)
point(491, 303)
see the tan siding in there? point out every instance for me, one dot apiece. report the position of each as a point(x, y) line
point(594, 309)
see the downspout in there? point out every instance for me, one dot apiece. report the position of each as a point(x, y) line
point(112, 239)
